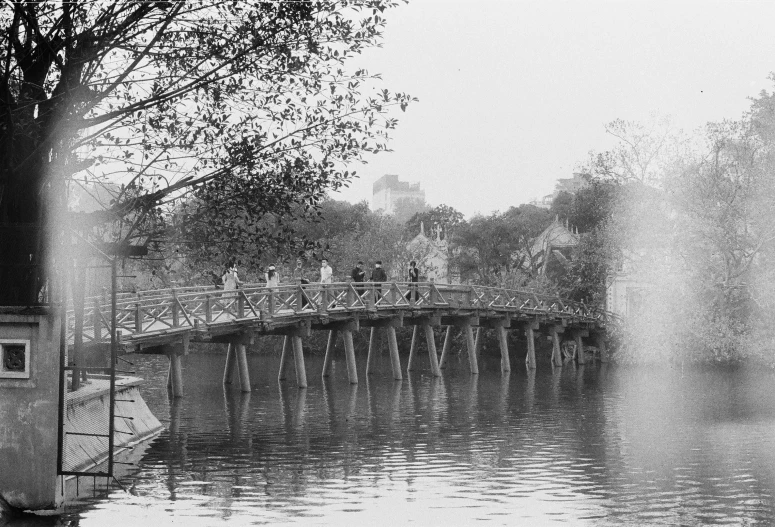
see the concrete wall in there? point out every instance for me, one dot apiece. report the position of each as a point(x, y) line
point(29, 412)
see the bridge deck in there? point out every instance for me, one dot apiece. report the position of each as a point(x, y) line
point(207, 314)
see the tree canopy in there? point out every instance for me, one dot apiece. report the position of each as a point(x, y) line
point(249, 107)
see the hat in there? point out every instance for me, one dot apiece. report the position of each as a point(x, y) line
point(271, 267)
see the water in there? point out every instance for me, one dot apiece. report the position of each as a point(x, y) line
point(593, 445)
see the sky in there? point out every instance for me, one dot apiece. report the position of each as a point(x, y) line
point(514, 94)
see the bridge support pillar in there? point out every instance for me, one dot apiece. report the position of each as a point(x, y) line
point(395, 360)
point(472, 360)
point(284, 359)
point(298, 359)
point(578, 338)
point(231, 361)
point(504, 345)
point(530, 359)
point(555, 331)
point(372, 344)
point(175, 375)
point(600, 341)
point(332, 335)
point(430, 339)
point(349, 349)
point(242, 366)
point(412, 350)
point(477, 341)
point(446, 346)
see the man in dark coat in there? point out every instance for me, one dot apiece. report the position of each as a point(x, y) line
point(378, 276)
point(359, 277)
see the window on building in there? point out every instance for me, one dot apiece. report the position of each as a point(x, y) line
point(14, 359)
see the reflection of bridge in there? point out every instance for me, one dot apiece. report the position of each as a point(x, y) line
point(165, 321)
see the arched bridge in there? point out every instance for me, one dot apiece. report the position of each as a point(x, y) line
point(165, 321)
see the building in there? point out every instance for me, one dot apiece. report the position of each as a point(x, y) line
point(554, 244)
point(388, 190)
point(569, 185)
point(432, 255)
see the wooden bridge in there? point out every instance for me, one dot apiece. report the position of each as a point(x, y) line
point(166, 321)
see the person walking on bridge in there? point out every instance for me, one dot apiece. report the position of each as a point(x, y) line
point(272, 277)
point(378, 276)
point(230, 278)
point(414, 277)
point(359, 277)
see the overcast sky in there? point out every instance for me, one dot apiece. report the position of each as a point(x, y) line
point(513, 94)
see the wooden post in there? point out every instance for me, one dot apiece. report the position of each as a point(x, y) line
point(97, 321)
point(556, 352)
point(298, 359)
point(231, 361)
point(329, 352)
point(580, 358)
point(395, 360)
point(349, 349)
point(530, 360)
point(477, 342)
point(445, 348)
point(600, 340)
point(472, 362)
point(372, 343)
point(242, 366)
point(281, 376)
point(412, 350)
point(208, 309)
point(503, 339)
point(431, 341)
point(176, 374)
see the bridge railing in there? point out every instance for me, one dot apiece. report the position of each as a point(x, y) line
point(185, 308)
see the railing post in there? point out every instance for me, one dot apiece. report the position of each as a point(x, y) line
point(433, 296)
point(138, 318)
point(299, 297)
point(175, 309)
point(208, 309)
point(241, 304)
point(269, 303)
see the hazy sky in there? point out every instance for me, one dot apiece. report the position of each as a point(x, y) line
point(514, 94)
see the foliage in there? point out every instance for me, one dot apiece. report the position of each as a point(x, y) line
point(247, 106)
point(442, 215)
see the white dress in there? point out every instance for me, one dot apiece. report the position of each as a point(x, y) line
point(230, 280)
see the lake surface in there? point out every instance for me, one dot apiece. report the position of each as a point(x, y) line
point(590, 445)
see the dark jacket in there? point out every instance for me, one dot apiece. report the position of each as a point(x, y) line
point(358, 275)
point(378, 275)
point(414, 274)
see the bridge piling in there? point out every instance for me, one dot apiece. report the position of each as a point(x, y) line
point(472, 359)
point(412, 350)
point(601, 346)
point(231, 361)
point(372, 344)
point(504, 345)
point(577, 337)
point(554, 332)
point(446, 346)
point(430, 339)
point(477, 342)
point(395, 360)
point(298, 359)
point(242, 367)
point(283, 373)
point(352, 371)
point(330, 346)
point(530, 359)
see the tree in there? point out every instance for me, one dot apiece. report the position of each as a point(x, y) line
point(248, 107)
point(443, 215)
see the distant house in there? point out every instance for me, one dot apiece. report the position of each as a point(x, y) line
point(554, 244)
point(388, 191)
point(431, 254)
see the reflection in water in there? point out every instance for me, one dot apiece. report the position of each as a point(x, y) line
point(589, 445)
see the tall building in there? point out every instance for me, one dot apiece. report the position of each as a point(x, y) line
point(388, 190)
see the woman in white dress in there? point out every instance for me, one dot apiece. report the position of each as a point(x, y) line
point(272, 278)
point(230, 278)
